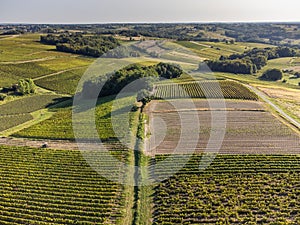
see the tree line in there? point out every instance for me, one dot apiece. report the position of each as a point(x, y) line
point(89, 45)
point(250, 61)
point(112, 84)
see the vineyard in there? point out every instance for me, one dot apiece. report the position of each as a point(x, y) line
point(43, 186)
point(65, 83)
point(19, 111)
point(207, 89)
point(60, 125)
point(248, 189)
point(28, 104)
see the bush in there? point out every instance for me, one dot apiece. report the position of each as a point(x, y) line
point(272, 75)
point(3, 97)
point(26, 86)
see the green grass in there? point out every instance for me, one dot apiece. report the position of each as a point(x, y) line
point(44, 186)
point(234, 189)
point(60, 125)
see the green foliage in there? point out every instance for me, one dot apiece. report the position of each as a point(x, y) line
point(2, 97)
point(26, 86)
point(113, 83)
point(144, 96)
point(272, 75)
point(94, 46)
point(250, 61)
point(168, 71)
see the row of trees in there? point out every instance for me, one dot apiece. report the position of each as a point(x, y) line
point(251, 61)
point(94, 46)
point(113, 83)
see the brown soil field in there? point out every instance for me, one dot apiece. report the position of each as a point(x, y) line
point(250, 128)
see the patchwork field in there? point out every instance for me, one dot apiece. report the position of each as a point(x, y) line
point(19, 111)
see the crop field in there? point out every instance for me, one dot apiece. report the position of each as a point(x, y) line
point(211, 50)
point(60, 125)
point(234, 189)
point(10, 121)
point(44, 186)
point(28, 104)
point(64, 83)
point(206, 89)
point(250, 129)
point(34, 60)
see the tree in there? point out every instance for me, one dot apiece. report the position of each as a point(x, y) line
point(26, 86)
point(272, 75)
point(144, 96)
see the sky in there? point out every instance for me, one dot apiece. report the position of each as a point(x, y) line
point(113, 11)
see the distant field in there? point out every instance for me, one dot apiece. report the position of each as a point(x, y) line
point(25, 57)
point(249, 128)
point(44, 186)
point(212, 50)
point(205, 89)
point(60, 125)
point(248, 189)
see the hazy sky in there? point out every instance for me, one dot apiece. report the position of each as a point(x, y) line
point(99, 11)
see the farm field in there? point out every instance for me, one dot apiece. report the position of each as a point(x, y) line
point(41, 186)
point(205, 89)
point(250, 128)
point(19, 111)
point(288, 99)
point(234, 189)
point(60, 125)
point(32, 59)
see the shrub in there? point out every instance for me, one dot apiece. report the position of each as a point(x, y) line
point(26, 86)
point(272, 75)
point(2, 97)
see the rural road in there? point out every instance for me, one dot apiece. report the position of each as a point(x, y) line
point(278, 109)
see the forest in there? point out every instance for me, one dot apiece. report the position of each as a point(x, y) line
point(94, 46)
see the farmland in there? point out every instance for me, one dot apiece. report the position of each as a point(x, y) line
point(55, 187)
point(250, 128)
point(254, 178)
point(207, 89)
point(60, 125)
point(248, 189)
point(19, 111)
